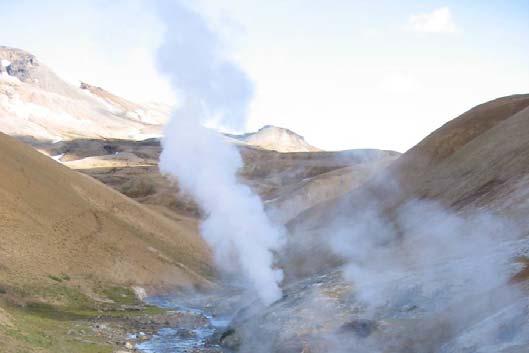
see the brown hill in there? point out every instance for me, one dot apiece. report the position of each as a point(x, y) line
point(478, 160)
point(56, 221)
point(456, 133)
point(482, 151)
point(296, 197)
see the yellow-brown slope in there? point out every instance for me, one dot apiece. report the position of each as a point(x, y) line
point(479, 160)
point(57, 221)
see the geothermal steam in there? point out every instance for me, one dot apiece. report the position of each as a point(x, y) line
point(214, 88)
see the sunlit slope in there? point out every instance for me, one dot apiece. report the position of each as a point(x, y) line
point(479, 160)
point(482, 151)
point(56, 221)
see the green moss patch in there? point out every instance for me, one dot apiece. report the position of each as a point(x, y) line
point(60, 318)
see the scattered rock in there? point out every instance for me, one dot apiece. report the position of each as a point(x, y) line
point(185, 333)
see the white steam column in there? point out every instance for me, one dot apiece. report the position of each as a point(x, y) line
point(213, 87)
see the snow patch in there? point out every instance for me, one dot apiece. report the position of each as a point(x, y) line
point(4, 76)
point(58, 157)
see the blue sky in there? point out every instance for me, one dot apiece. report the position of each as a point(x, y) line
point(345, 74)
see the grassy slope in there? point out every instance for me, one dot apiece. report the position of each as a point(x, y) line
point(61, 319)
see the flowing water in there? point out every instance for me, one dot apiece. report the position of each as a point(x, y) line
point(195, 332)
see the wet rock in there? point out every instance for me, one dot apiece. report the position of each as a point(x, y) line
point(185, 333)
point(143, 336)
point(184, 320)
point(361, 327)
point(230, 339)
point(206, 350)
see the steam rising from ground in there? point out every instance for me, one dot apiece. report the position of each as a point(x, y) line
point(438, 246)
point(214, 88)
point(424, 278)
point(450, 271)
point(415, 276)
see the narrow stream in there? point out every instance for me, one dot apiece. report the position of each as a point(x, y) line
point(193, 333)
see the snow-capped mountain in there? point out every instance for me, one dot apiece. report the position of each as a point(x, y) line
point(37, 103)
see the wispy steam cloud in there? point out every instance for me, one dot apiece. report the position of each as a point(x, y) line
point(416, 276)
point(437, 21)
point(213, 87)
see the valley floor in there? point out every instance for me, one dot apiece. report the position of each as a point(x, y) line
point(61, 319)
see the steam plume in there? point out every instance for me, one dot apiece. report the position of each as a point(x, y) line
point(214, 88)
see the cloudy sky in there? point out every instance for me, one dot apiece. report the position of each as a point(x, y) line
point(345, 74)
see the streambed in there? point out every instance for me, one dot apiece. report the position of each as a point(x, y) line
point(196, 330)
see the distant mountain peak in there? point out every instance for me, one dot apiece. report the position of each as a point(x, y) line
point(36, 103)
point(278, 139)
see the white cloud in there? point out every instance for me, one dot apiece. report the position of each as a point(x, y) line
point(437, 21)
